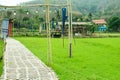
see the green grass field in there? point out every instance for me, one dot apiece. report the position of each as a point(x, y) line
point(1, 53)
point(107, 34)
point(93, 58)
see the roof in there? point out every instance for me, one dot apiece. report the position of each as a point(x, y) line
point(76, 23)
point(100, 21)
point(76, 13)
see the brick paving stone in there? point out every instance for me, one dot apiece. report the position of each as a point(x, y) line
point(21, 64)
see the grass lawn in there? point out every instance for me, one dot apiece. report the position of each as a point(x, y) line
point(93, 58)
point(1, 53)
point(107, 34)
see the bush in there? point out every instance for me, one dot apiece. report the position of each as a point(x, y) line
point(1, 47)
point(1, 55)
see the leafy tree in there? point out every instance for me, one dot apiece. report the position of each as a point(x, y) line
point(41, 19)
point(75, 18)
point(114, 23)
point(58, 14)
point(25, 18)
point(90, 16)
point(9, 14)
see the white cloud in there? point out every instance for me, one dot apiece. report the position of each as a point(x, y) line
point(12, 2)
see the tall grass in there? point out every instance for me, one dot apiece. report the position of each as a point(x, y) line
point(1, 54)
point(93, 58)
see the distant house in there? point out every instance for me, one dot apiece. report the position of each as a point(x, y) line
point(78, 27)
point(101, 24)
point(10, 27)
point(4, 30)
point(6, 27)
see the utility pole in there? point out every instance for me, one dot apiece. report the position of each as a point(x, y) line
point(1, 18)
point(0, 25)
point(14, 22)
point(70, 27)
point(49, 51)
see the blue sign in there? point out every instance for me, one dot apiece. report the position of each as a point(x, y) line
point(4, 31)
point(102, 28)
point(64, 17)
point(53, 27)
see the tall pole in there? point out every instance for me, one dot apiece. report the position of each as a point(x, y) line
point(0, 25)
point(49, 51)
point(14, 22)
point(1, 18)
point(70, 27)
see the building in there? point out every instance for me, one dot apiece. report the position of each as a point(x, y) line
point(10, 27)
point(6, 27)
point(78, 27)
point(101, 24)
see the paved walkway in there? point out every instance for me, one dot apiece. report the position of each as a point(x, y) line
point(21, 64)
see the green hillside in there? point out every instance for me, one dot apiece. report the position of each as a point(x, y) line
point(99, 8)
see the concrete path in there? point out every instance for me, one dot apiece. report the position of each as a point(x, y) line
point(21, 64)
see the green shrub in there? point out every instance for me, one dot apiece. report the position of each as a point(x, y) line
point(1, 55)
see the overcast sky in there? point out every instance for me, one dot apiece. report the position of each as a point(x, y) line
point(12, 2)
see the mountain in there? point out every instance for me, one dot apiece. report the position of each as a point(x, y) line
point(98, 8)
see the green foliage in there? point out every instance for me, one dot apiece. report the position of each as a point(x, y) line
point(114, 23)
point(101, 8)
point(26, 18)
point(41, 19)
point(21, 10)
point(28, 21)
point(8, 14)
point(90, 16)
point(1, 55)
point(93, 58)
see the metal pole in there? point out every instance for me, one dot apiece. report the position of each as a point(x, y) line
point(49, 55)
point(63, 39)
point(13, 22)
point(0, 25)
point(70, 27)
point(13, 27)
point(71, 36)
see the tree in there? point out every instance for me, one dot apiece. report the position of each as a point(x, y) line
point(90, 16)
point(8, 14)
point(58, 14)
point(114, 23)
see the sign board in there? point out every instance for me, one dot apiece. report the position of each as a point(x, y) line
point(4, 31)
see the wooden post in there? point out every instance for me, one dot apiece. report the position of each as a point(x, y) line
point(13, 22)
point(1, 18)
point(70, 27)
point(49, 55)
point(63, 38)
point(13, 28)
